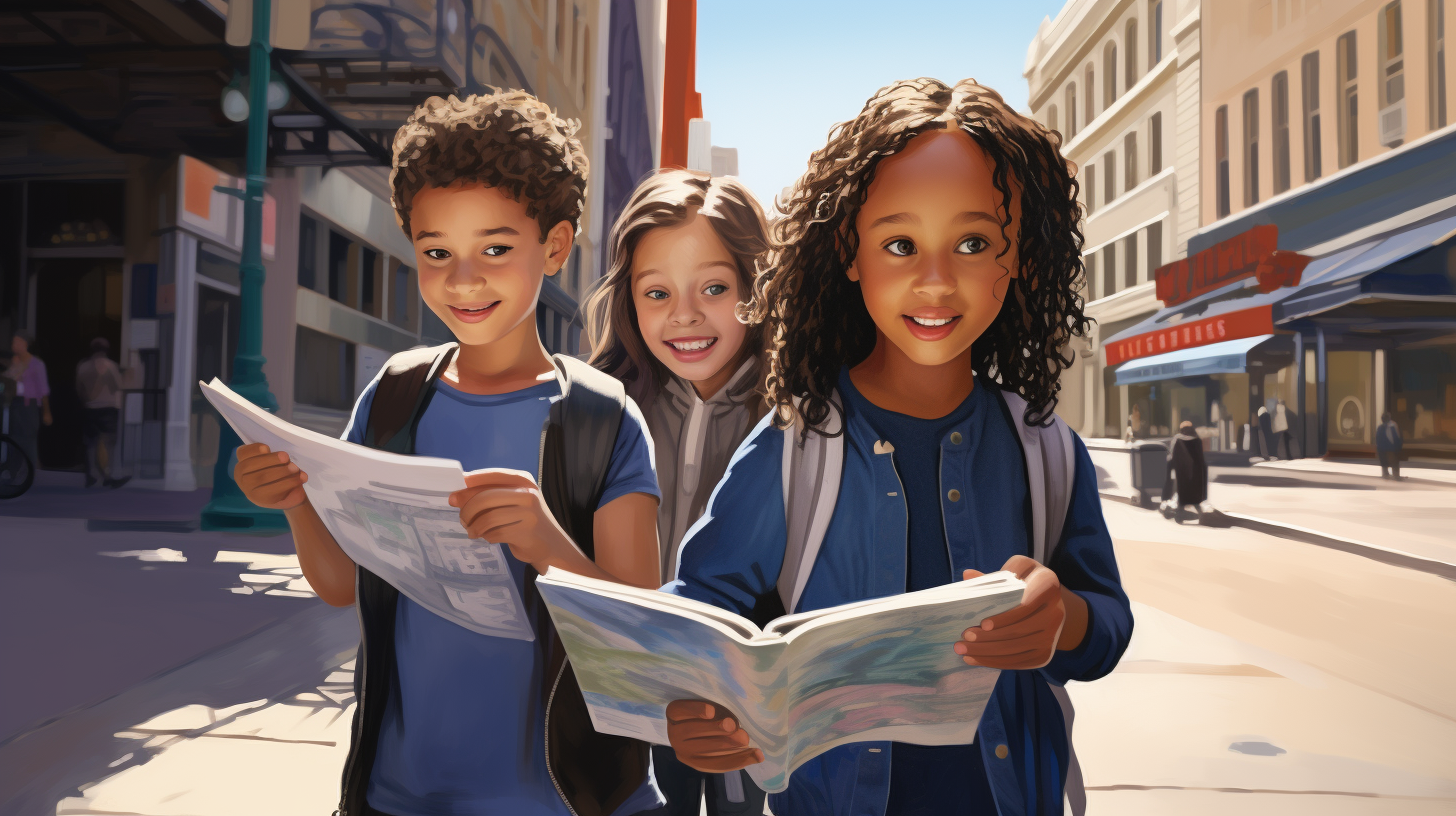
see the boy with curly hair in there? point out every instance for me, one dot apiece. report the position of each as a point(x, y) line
point(489, 190)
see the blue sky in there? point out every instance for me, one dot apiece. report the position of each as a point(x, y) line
point(777, 75)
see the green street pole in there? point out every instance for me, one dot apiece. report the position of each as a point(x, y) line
point(229, 508)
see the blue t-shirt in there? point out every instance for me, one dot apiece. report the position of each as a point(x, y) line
point(935, 780)
point(464, 726)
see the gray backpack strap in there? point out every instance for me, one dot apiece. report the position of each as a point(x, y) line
point(1050, 468)
point(812, 466)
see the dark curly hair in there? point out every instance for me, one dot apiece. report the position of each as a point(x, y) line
point(507, 139)
point(816, 316)
point(668, 198)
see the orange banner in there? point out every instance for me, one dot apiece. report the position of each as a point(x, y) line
point(1232, 326)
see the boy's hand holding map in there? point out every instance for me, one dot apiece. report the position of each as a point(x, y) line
point(650, 663)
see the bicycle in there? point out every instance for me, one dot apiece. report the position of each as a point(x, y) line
point(17, 472)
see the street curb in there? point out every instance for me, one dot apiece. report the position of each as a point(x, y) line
point(1294, 532)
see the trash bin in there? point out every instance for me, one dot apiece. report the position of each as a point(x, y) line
point(1149, 471)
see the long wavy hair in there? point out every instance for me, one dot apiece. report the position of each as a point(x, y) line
point(816, 317)
point(669, 198)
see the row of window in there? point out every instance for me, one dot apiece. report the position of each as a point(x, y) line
point(355, 275)
point(1110, 87)
point(1131, 166)
point(1390, 106)
point(1116, 266)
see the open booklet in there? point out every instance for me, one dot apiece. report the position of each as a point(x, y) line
point(870, 671)
point(391, 514)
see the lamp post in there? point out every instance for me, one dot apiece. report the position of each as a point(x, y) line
point(229, 508)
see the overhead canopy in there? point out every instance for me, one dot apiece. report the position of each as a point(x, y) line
point(1228, 357)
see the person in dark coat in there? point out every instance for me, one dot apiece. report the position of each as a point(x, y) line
point(1188, 472)
point(1387, 445)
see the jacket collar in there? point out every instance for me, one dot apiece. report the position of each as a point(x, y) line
point(740, 387)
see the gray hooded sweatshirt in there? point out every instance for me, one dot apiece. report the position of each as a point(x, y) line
point(693, 441)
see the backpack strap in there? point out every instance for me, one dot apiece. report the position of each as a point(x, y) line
point(813, 463)
point(1050, 468)
point(402, 395)
point(576, 450)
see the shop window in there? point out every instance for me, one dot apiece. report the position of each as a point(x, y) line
point(1129, 261)
point(1071, 110)
point(74, 213)
point(1109, 75)
point(1436, 62)
point(1309, 90)
point(1155, 144)
point(1423, 394)
point(1130, 71)
point(308, 233)
point(1251, 147)
point(1129, 161)
point(1279, 118)
point(1155, 33)
point(323, 370)
point(1221, 159)
point(1348, 93)
point(212, 264)
point(1350, 384)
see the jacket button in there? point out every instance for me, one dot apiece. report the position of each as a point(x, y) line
point(955, 437)
point(1002, 751)
point(954, 495)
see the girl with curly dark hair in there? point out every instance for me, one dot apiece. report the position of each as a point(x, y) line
point(919, 295)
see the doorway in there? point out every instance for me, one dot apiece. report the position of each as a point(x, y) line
point(76, 300)
point(217, 344)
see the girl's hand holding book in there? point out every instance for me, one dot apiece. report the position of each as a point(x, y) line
point(506, 506)
point(707, 738)
point(1050, 618)
point(268, 479)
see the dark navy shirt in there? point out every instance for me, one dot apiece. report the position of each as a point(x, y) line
point(933, 780)
point(464, 728)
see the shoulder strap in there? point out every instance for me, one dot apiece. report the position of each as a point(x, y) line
point(812, 466)
point(576, 449)
point(401, 396)
point(1050, 467)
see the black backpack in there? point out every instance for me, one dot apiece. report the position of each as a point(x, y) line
point(594, 773)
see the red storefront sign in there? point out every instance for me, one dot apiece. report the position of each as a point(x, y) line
point(1232, 326)
point(1249, 254)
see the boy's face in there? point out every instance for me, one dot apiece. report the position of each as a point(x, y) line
point(929, 236)
point(480, 262)
point(685, 289)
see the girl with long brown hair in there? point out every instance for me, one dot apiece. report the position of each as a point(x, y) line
point(667, 321)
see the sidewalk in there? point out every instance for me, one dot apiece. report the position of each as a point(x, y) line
point(1340, 505)
point(60, 494)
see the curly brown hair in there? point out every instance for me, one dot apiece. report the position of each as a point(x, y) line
point(817, 318)
point(666, 199)
point(508, 139)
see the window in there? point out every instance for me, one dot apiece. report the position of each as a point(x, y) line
point(1129, 261)
point(1309, 81)
point(1129, 161)
point(371, 282)
point(1155, 33)
point(1391, 90)
point(404, 296)
point(1221, 159)
point(1279, 121)
point(1347, 92)
point(560, 26)
point(1155, 144)
point(1251, 147)
point(1052, 117)
point(323, 370)
point(1109, 269)
point(1109, 75)
point(1436, 62)
point(1089, 192)
point(1109, 177)
point(1089, 263)
point(1071, 110)
point(1130, 71)
point(586, 63)
point(1089, 85)
point(1155, 248)
point(340, 268)
point(307, 252)
point(575, 33)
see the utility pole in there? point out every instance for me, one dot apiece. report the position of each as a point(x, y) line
point(229, 508)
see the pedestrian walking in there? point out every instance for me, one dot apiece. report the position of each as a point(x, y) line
point(98, 384)
point(1265, 432)
point(1281, 431)
point(31, 407)
point(1387, 446)
point(1187, 483)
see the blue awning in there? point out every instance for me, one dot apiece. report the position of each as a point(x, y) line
point(1228, 357)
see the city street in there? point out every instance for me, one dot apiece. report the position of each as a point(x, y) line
point(1265, 675)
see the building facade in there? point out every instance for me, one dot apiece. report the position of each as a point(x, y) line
point(1119, 80)
point(1325, 260)
point(115, 142)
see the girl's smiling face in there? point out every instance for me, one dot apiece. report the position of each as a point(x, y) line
point(930, 262)
point(685, 288)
